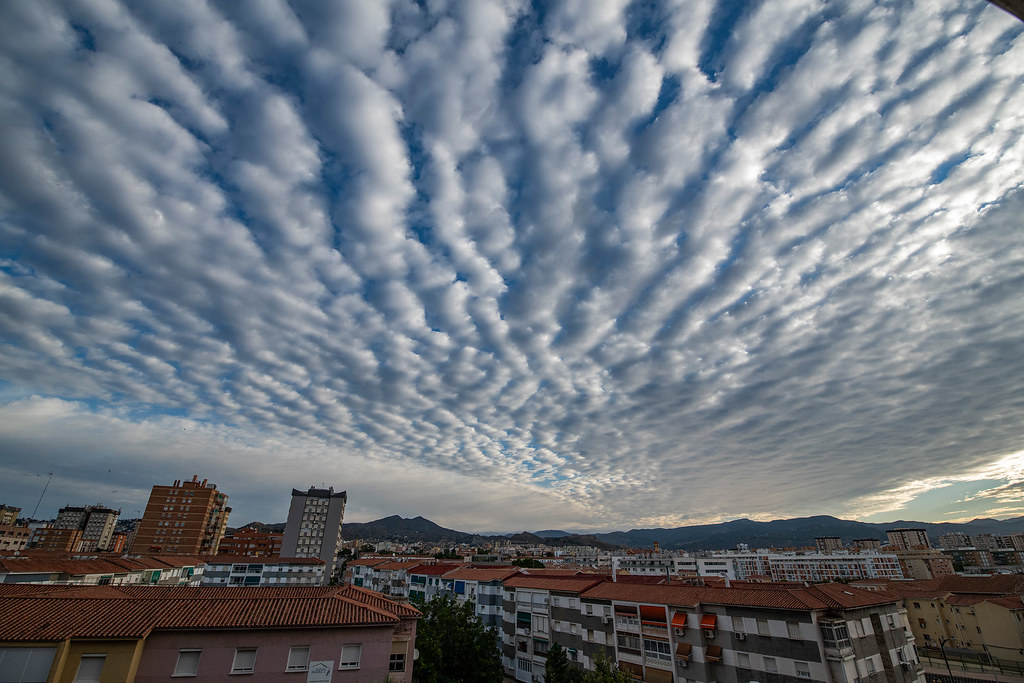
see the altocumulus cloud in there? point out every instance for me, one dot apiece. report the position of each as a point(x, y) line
point(510, 264)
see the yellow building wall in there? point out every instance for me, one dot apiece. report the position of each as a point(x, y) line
point(1002, 631)
point(122, 660)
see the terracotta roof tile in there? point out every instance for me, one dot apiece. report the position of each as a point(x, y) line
point(570, 584)
point(479, 574)
point(57, 613)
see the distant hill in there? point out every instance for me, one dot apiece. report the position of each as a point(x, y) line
point(395, 528)
point(780, 533)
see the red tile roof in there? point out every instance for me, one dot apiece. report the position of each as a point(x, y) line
point(56, 613)
point(263, 559)
point(821, 596)
point(571, 584)
point(432, 569)
point(475, 574)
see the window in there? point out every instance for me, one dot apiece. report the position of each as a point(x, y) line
point(245, 661)
point(762, 627)
point(737, 625)
point(743, 660)
point(89, 668)
point(397, 662)
point(26, 664)
point(188, 663)
point(793, 629)
point(870, 663)
point(917, 605)
point(298, 658)
point(803, 670)
point(770, 665)
point(350, 656)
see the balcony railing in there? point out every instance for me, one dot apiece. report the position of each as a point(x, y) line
point(659, 660)
point(628, 624)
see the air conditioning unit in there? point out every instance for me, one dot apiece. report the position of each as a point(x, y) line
point(709, 633)
point(741, 636)
point(606, 620)
point(907, 666)
point(683, 663)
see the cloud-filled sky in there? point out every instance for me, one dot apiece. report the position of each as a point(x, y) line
point(515, 265)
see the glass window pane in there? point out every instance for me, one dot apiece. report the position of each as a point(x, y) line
point(89, 668)
point(298, 658)
point(245, 661)
point(188, 663)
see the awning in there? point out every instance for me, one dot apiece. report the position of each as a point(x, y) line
point(683, 651)
point(713, 653)
point(679, 620)
point(626, 610)
point(709, 621)
point(634, 670)
point(653, 613)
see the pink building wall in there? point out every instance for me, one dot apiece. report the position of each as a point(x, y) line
point(160, 653)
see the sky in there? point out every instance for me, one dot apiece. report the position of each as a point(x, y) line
point(515, 265)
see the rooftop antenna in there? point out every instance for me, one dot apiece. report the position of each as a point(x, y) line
point(48, 478)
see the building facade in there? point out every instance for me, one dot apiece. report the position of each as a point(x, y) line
point(187, 517)
point(8, 514)
point(96, 523)
point(252, 542)
point(314, 525)
point(908, 539)
point(242, 570)
point(144, 635)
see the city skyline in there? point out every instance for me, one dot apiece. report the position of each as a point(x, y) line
point(513, 265)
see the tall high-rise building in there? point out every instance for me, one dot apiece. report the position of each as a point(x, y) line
point(826, 544)
point(314, 524)
point(908, 539)
point(185, 518)
point(96, 523)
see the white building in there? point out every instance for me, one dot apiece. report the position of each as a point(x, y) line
point(314, 526)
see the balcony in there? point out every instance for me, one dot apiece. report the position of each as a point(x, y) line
point(627, 624)
point(658, 660)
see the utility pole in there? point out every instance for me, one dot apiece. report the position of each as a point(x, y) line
point(48, 478)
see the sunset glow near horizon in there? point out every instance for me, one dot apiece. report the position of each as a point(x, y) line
point(512, 265)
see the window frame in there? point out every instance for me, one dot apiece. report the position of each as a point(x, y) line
point(344, 665)
point(91, 657)
point(177, 665)
point(396, 659)
point(294, 667)
point(235, 669)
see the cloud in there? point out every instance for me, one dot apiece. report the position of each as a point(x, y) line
point(595, 267)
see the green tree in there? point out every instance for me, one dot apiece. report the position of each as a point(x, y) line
point(557, 668)
point(528, 563)
point(454, 645)
point(606, 672)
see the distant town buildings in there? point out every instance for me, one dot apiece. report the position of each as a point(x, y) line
point(96, 523)
point(907, 539)
point(314, 524)
point(825, 544)
point(187, 517)
point(244, 571)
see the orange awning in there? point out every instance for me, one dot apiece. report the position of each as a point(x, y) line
point(683, 651)
point(652, 613)
point(713, 653)
point(679, 620)
point(709, 621)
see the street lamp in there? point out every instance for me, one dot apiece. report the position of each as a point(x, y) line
point(942, 649)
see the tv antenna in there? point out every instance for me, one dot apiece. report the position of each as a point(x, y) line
point(48, 478)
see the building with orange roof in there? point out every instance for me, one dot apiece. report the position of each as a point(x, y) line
point(185, 518)
point(136, 634)
point(725, 633)
point(64, 569)
point(483, 586)
point(983, 615)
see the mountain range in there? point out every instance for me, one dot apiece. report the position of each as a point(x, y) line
point(779, 533)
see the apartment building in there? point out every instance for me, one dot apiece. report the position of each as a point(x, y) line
point(97, 524)
point(314, 524)
point(538, 611)
point(8, 514)
point(816, 567)
point(979, 614)
point(53, 540)
point(144, 635)
point(826, 544)
point(675, 633)
point(246, 571)
point(187, 518)
point(13, 538)
point(907, 539)
point(252, 542)
point(114, 571)
point(425, 579)
point(483, 586)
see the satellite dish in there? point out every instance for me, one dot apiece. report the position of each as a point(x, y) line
point(415, 654)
